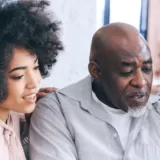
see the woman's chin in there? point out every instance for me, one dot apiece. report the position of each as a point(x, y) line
point(29, 109)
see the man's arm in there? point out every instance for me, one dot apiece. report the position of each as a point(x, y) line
point(49, 136)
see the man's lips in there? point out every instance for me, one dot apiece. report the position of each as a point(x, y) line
point(138, 98)
point(137, 95)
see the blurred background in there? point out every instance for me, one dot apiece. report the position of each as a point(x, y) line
point(80, 20)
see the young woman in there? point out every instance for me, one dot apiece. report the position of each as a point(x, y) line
point(29, 44)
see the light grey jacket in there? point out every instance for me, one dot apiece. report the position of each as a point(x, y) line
point(71, 125)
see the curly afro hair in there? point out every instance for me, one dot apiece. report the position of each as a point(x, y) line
point(26, 24)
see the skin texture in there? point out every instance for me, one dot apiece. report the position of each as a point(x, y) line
point(121, 67)
point(21, 82)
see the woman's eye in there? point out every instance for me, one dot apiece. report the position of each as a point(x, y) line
point(17, 77)
point(36, 68)
point(126, 73)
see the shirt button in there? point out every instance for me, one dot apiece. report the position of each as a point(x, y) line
point(115, 135)
point(131, 134)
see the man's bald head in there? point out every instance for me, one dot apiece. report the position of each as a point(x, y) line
point(110, 37)
point(121, 66)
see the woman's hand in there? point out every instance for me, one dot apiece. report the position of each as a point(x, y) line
point(43, 91)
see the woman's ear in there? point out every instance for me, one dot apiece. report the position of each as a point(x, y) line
point(94, 70)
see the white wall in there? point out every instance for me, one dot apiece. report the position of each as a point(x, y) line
point(78, 26)
point(100, 6)
point(80, 19)
point(127, 11)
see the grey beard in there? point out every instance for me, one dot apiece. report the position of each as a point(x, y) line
point(137, 111)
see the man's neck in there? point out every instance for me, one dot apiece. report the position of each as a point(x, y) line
point(99, 91)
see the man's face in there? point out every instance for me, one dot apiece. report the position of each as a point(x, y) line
point(126, 75)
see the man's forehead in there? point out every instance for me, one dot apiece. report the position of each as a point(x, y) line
point(128, 43)
point(129, 57)
point(130, 52)
point(134, 62)
point(132, 55)
point(134, 58)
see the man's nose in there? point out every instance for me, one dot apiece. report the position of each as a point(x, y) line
point(138, 81)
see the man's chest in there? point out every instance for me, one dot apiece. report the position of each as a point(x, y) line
point(97, 139)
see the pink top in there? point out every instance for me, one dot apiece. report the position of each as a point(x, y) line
point(10, 146)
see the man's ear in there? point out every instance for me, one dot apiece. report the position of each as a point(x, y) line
point(94, 70)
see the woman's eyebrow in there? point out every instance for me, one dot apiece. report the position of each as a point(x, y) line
point(17, 68)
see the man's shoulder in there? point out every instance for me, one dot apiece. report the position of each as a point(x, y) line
point(76, 91)
point(50, 97)
point(68, 96)
point(77, 86)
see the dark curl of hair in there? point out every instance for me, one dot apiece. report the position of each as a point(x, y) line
point(25, 24)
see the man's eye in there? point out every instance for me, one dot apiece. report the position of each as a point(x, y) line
point(126, 73)
point(147, 69)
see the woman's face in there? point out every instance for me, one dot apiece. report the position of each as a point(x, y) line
point(23, 81)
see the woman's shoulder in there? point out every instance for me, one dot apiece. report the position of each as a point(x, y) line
point(22, 127)
point(14, 122)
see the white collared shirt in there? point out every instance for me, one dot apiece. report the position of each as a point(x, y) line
point(119, 119)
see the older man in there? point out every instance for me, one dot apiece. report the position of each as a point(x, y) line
point(105, 116)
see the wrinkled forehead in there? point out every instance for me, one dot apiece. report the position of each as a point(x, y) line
point(129, 48)
point(132, 56)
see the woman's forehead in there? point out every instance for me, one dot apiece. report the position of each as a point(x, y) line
point(22, 56)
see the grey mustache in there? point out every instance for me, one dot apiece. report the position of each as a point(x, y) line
point(137, 94)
